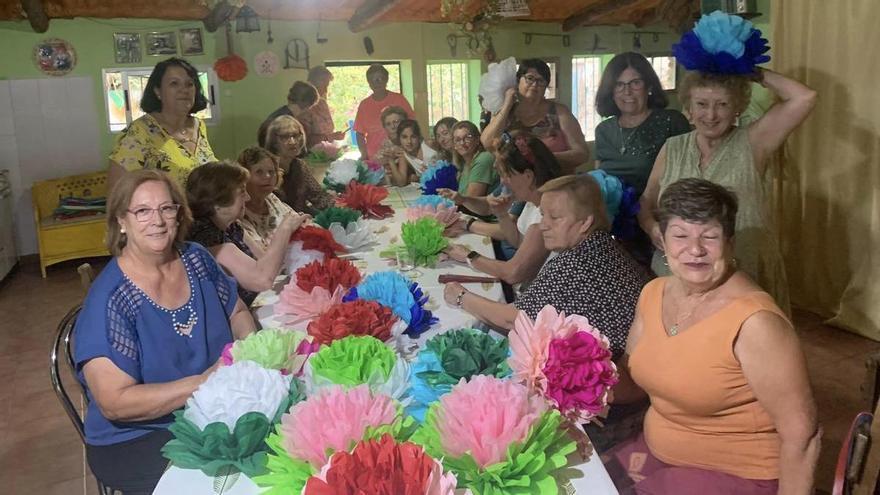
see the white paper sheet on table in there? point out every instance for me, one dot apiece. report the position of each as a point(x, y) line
point(588, 477)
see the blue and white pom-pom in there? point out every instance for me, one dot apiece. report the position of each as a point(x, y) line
point(722, 44)
point(441, 175)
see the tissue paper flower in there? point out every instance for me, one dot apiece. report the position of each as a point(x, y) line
point(722, 44)
point(496, 437)
point(357, 360)
point(358, 317)
point(432, 200)
point(354, 236)
point(440, 175)
point(395, 291)
point(317, 239)
point(335, 214)
point(330, 274)
point(449, 357)
point(366, 198)
point(382, 466)
point(340, 173)
point(297, 256)
point(565, 359)
point(446, 214)
point(226, 421)
point(271, 348)
point(324, 152)
point(495, 82)
point(424, 239)
point(314, 288)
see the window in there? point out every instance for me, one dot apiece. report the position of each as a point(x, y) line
point(350, 86)
point(586, 72)
point(124, 87)
point(448, 94)
point(665, 69)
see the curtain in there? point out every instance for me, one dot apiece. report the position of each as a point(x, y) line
point(829, 199)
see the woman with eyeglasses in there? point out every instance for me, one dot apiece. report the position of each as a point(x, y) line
point(264, 211)
point(286, 138)
point(526, 109)
point(476, 167)
point(151, 330)
point(217, 193)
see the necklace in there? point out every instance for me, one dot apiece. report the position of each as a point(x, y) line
point(184, 318)
point(673, 330)
point(625, 140)
point(182, 135)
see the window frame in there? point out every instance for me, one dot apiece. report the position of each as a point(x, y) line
point(651, 56)
point(472, 75)
point(588, 130)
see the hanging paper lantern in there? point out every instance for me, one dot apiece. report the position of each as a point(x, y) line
point(231, 68)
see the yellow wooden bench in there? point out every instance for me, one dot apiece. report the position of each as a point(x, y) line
point(62, 240)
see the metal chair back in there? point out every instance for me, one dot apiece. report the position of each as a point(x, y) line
point(61, 351)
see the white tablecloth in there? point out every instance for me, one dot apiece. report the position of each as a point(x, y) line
point(585, 477)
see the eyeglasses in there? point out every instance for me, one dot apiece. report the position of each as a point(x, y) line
point(169, 212)
point(634, 85)
point(462, 140)
point(534, 81)
point(287, 137)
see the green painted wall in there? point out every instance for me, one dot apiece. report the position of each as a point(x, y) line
point(245, 103)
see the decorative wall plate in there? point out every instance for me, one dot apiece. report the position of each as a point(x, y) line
point(54, 56)
point(266, 64)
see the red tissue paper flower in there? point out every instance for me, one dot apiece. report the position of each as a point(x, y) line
point(366, 198)
point(377, 467)
point(231, 68)
point(329, 274)
point(317, 239)
point(358, 317)
point(579, 374)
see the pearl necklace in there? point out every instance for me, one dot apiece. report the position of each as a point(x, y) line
point(184, 326)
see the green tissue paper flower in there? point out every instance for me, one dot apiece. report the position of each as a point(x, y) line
point(424, 239)
point(215, 449)
point(353, 360)
point(528, 469)
point(271, 348)
point(286, 476)
point(333, 214)
point(464, 353)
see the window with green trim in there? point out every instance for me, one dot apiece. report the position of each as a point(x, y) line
point(448, 91)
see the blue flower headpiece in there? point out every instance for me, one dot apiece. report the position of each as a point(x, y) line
point(621, 202)
point(433, 201)
point(722, 44)
point(441, 175)
point(404, 298)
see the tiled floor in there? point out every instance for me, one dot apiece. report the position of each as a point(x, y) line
point(40, 452)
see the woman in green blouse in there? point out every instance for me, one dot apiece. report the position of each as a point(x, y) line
point(476, 166)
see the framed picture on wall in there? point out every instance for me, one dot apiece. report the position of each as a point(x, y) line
point(127, 47)
point(191, 42)
point(161, 43)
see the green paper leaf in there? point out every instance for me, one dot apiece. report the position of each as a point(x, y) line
point(464, 353)
point(424, 240)
point(285, 475)
point(401, 429)
point(271, 348)
point(353, 360)
point(336, 214)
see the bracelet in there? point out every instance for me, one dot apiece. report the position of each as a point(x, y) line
point(470, 221)
point(458, 299)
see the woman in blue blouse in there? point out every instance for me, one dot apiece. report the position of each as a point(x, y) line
point(151, 330)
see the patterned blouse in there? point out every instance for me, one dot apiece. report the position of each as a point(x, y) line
point(145, 144)
point(261, 227)
point(301, 191)
point(596, 279)
point(205, 232)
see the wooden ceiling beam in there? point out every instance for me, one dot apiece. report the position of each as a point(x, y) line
point(36, 14)
point(368, 13)
point(594, 12)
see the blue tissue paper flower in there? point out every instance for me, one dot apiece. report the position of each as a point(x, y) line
point(723, 44)
point(612, 191)
point(433, 201)
point(404, 298)
point(441, 175)
point(626, 223)
point(421, 391)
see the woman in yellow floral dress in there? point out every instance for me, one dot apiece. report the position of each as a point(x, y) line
point(168, 136)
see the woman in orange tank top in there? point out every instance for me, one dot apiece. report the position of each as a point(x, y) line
point(731, 406)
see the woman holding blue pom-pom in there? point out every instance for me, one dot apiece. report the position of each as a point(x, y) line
point(722, 52)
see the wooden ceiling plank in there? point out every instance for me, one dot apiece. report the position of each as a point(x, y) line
point(594, 12)
point(36, 15)
point(368, 13)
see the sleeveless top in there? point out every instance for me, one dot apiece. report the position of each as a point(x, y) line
point(548, 129)
point(732, 166)
point(703, 412)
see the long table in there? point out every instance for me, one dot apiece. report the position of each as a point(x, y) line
point(586, 476)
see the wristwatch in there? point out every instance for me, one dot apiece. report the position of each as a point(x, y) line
point(470, 221)
point(473, 255)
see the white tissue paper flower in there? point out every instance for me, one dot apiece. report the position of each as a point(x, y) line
point(495, 82)
point(232, 391)
point(297, 257)
point(342, 171)
point(354, 236)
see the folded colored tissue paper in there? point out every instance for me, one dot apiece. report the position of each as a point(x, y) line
point(449, 357)
point(722, 43)
point(442, 209)
point(357, 317)
point(357, 360)
point(367, 199)
point(226, 421)
point(441, 175)
point(382, 466)
point(423, 239)
point(271, 348)
point(353, 236)
point(335, 214)
point(317, 239)
point(496, 437)
point(566, 360)
point(405, 298)
point(314, 288)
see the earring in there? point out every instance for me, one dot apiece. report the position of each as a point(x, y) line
point(122, 231)
point(665, 261)
point(650, 92)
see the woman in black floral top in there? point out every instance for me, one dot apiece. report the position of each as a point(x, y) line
point(217, 193)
